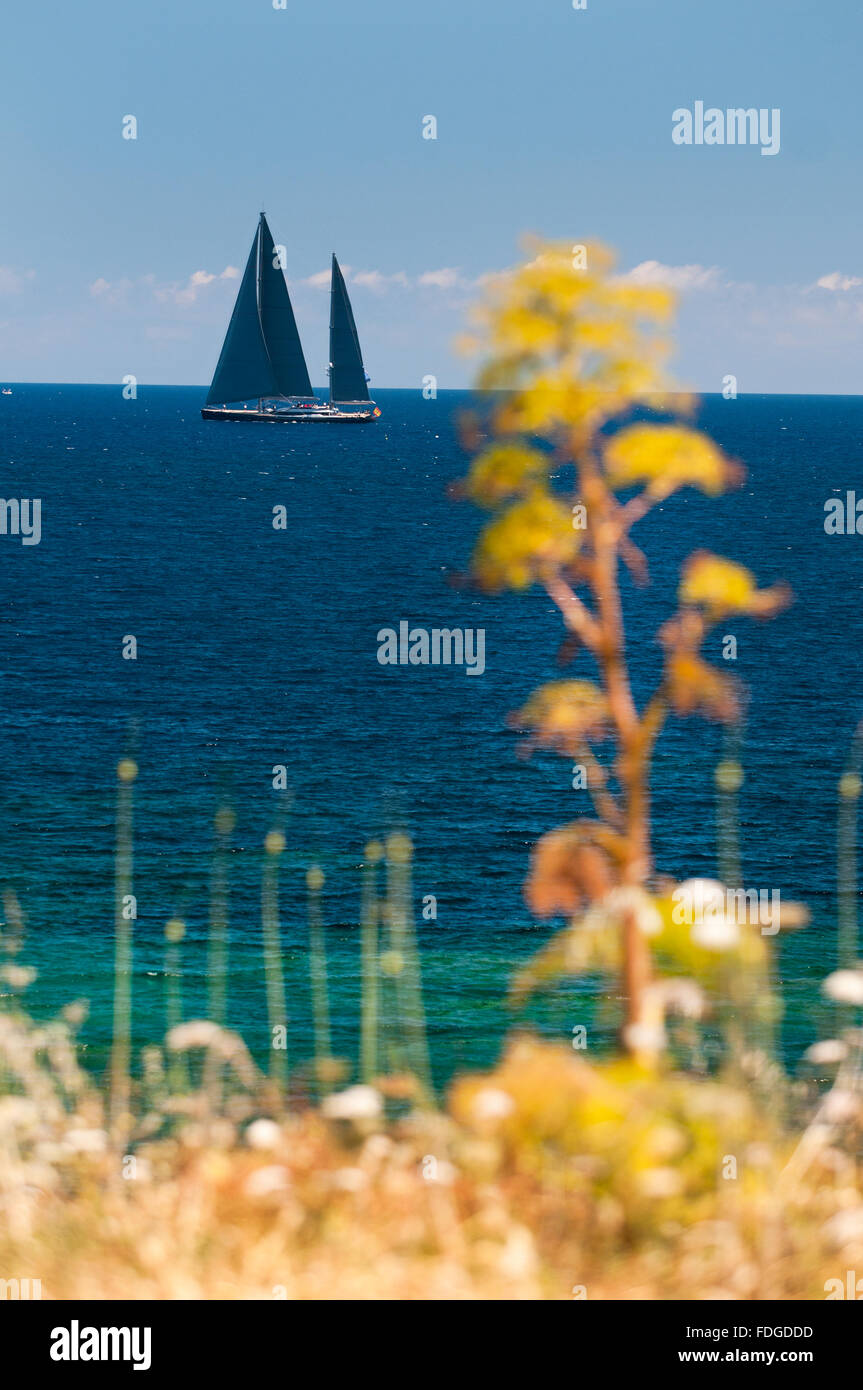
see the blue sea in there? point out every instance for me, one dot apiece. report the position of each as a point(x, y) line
point(258, 647)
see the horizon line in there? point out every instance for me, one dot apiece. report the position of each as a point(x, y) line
point(203, 386)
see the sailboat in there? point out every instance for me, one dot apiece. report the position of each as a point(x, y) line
point(262, 357)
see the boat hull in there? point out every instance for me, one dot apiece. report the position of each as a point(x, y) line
point(288, 417)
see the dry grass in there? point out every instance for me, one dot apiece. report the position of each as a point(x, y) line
point(548, 1176)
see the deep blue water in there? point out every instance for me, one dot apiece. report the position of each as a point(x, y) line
point(258, 647)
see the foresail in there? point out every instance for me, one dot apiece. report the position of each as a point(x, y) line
point(347, 377)
point(244, 369)
point(279, 325)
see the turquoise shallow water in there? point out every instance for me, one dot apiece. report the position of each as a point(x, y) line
point(257, 647)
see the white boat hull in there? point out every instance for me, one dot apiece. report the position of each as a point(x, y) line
point(316, 415)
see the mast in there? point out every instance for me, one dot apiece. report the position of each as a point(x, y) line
point(258, 284)
point(330, 363)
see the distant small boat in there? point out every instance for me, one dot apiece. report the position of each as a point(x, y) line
point(7, 391)
point(262, 356)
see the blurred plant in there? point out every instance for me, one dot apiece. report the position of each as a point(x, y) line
point(405, 1048)
point(567, 470)
point(274, 846)
point(217, 964)
point(326, 1067)
point(369, 914)
point(175, 931)
point(124, 917)
point(849, 800)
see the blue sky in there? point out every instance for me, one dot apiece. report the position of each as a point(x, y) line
point(113, 252)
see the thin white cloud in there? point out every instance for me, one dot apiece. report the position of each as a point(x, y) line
point(111, 292)
point(837, 281)
point(198, 280)
point(378, 280)
point(676, 277)
point(319, 281)
point(12, 281)
point(444, 279)
point(117, 291)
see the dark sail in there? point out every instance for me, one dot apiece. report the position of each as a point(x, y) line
point(244, 369)
point(347, 378)
point(279, 325)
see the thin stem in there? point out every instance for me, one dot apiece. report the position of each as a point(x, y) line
point(369, 914)
point(318, 968)
point(575, 613)
point(217, 970)
point(274, 845)
point(124, 913)
point(632, 744)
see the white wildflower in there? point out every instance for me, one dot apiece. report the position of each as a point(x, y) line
point(845, 986)
point(518, 1258)
point(266, 1181)
point(644, 1037)
point(683, 997)
point(87, 1141)
point(838, 1107)
point(18, 976)
point(197, 1033)
point(263, 1134)
point(491, 1103)
point(356, 1103)
point(18, 1110)
point(826, 1053)
point(845, 1227)
point(718, 933)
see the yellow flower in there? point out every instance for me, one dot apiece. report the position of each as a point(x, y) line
point(666, 457)
point(504, 470)
point(529, 539)
point(694, 687)
point(562, 714)
point(721, 586)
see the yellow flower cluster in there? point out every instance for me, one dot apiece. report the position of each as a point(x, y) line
point(666, 457)
point(531, 538)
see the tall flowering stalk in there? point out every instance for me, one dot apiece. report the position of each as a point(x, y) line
point(849, 799)
point(324, 1070)
point(369, 915)
point(274, 846)
point(568, 470)
point(124, 915)
point(217, 966)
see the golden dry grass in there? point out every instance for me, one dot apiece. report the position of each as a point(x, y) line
point(547, 1179)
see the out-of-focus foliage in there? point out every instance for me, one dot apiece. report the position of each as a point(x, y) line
point(529, 540)
point(666, 457)
point(503, 471)
point(567, 342)
point(563, 714)
point(571, 353)
point(721, 587)
point(696, 687)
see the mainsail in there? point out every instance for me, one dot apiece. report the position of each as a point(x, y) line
point(262, 354)
point(347, 377)
point(279, 324)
